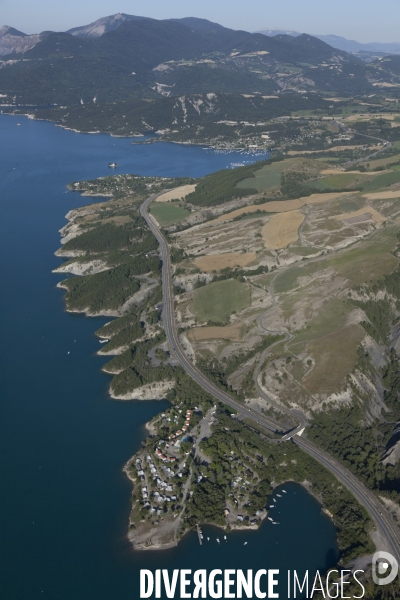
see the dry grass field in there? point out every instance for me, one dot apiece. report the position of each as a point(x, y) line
point(389, 195)
point(335, 357)
point(178, 193)
point(216, 262)
point(279, 206)
point(333, 149)
point(282, 229)
point(363, 214)
point(232, 332)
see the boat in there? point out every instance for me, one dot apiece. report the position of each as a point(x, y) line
point(113, 165)
point(103, 341)
point(274, 499)
point(272, 506)
point(224, 537)
point(284, 491)
point(279, 496)
point(269, 519)
point(208, 539)
point(218, 540)
point(245, 544)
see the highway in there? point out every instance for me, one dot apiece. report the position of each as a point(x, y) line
point(388, 529)
point(386, 145)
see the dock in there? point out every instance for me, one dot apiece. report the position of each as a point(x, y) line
point(200, 534)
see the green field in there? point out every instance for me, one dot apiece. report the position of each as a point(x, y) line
point(269, 176)
point(265, 179)
point(365, 264)
point(382, 181)
point(288, 280)
point(331, 317)
point(337, 181)
point(349, 206)
point(217, 301)
point(168, 213)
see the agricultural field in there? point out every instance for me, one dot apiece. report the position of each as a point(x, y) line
point(343, 180)
point(282, 229)
point(216, 262)
point(216, 302)
point(178, 193)
point(312, 253)
point(232, 332)
point(381, 181)
point(168, 213)
point(277, 206)
point(269, 176)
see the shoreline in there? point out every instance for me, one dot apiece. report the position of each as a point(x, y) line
point(139, 545)
point(208, 145)
point(148, 391)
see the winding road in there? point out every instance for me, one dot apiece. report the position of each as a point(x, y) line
point(384, 522)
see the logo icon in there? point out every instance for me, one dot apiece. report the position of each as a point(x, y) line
point(381, 562)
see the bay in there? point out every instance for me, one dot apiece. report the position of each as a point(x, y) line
point(63, 441)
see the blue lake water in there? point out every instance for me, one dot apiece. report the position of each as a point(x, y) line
point(63, 442)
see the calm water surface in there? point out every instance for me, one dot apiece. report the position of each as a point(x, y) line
point(63, 441)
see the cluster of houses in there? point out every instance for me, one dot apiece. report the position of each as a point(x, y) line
point(163, 457)
point(160, 496)
point(184, 428)
point(139, 469)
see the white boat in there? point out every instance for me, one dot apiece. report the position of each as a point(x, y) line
point(224, 537)
point(279, 496)
point(208, 539)
point(274, 499)
point(103, 341)
point(272, 506)
point(245, 544)
point(269, 519)
point(218, 540)
point(284, 491)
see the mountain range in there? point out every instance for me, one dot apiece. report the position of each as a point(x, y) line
point(12, 40)
point(123, 57)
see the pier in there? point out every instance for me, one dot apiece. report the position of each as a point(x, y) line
point(200, 534)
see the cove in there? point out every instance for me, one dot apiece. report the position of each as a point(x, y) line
point(63, 441)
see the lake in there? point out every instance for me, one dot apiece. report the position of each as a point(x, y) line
point(63, 441)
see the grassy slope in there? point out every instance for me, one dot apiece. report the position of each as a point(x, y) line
point(167, 213)
point(217, 301)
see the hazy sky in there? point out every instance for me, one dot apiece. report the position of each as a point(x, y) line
point(363, 20)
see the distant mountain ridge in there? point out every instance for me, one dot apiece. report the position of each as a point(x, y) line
point(341, 43)
point(147, 57)
point(12, 40)
point(103, 25)
point(123, 57)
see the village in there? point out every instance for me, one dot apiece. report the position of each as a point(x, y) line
point(169, 471)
